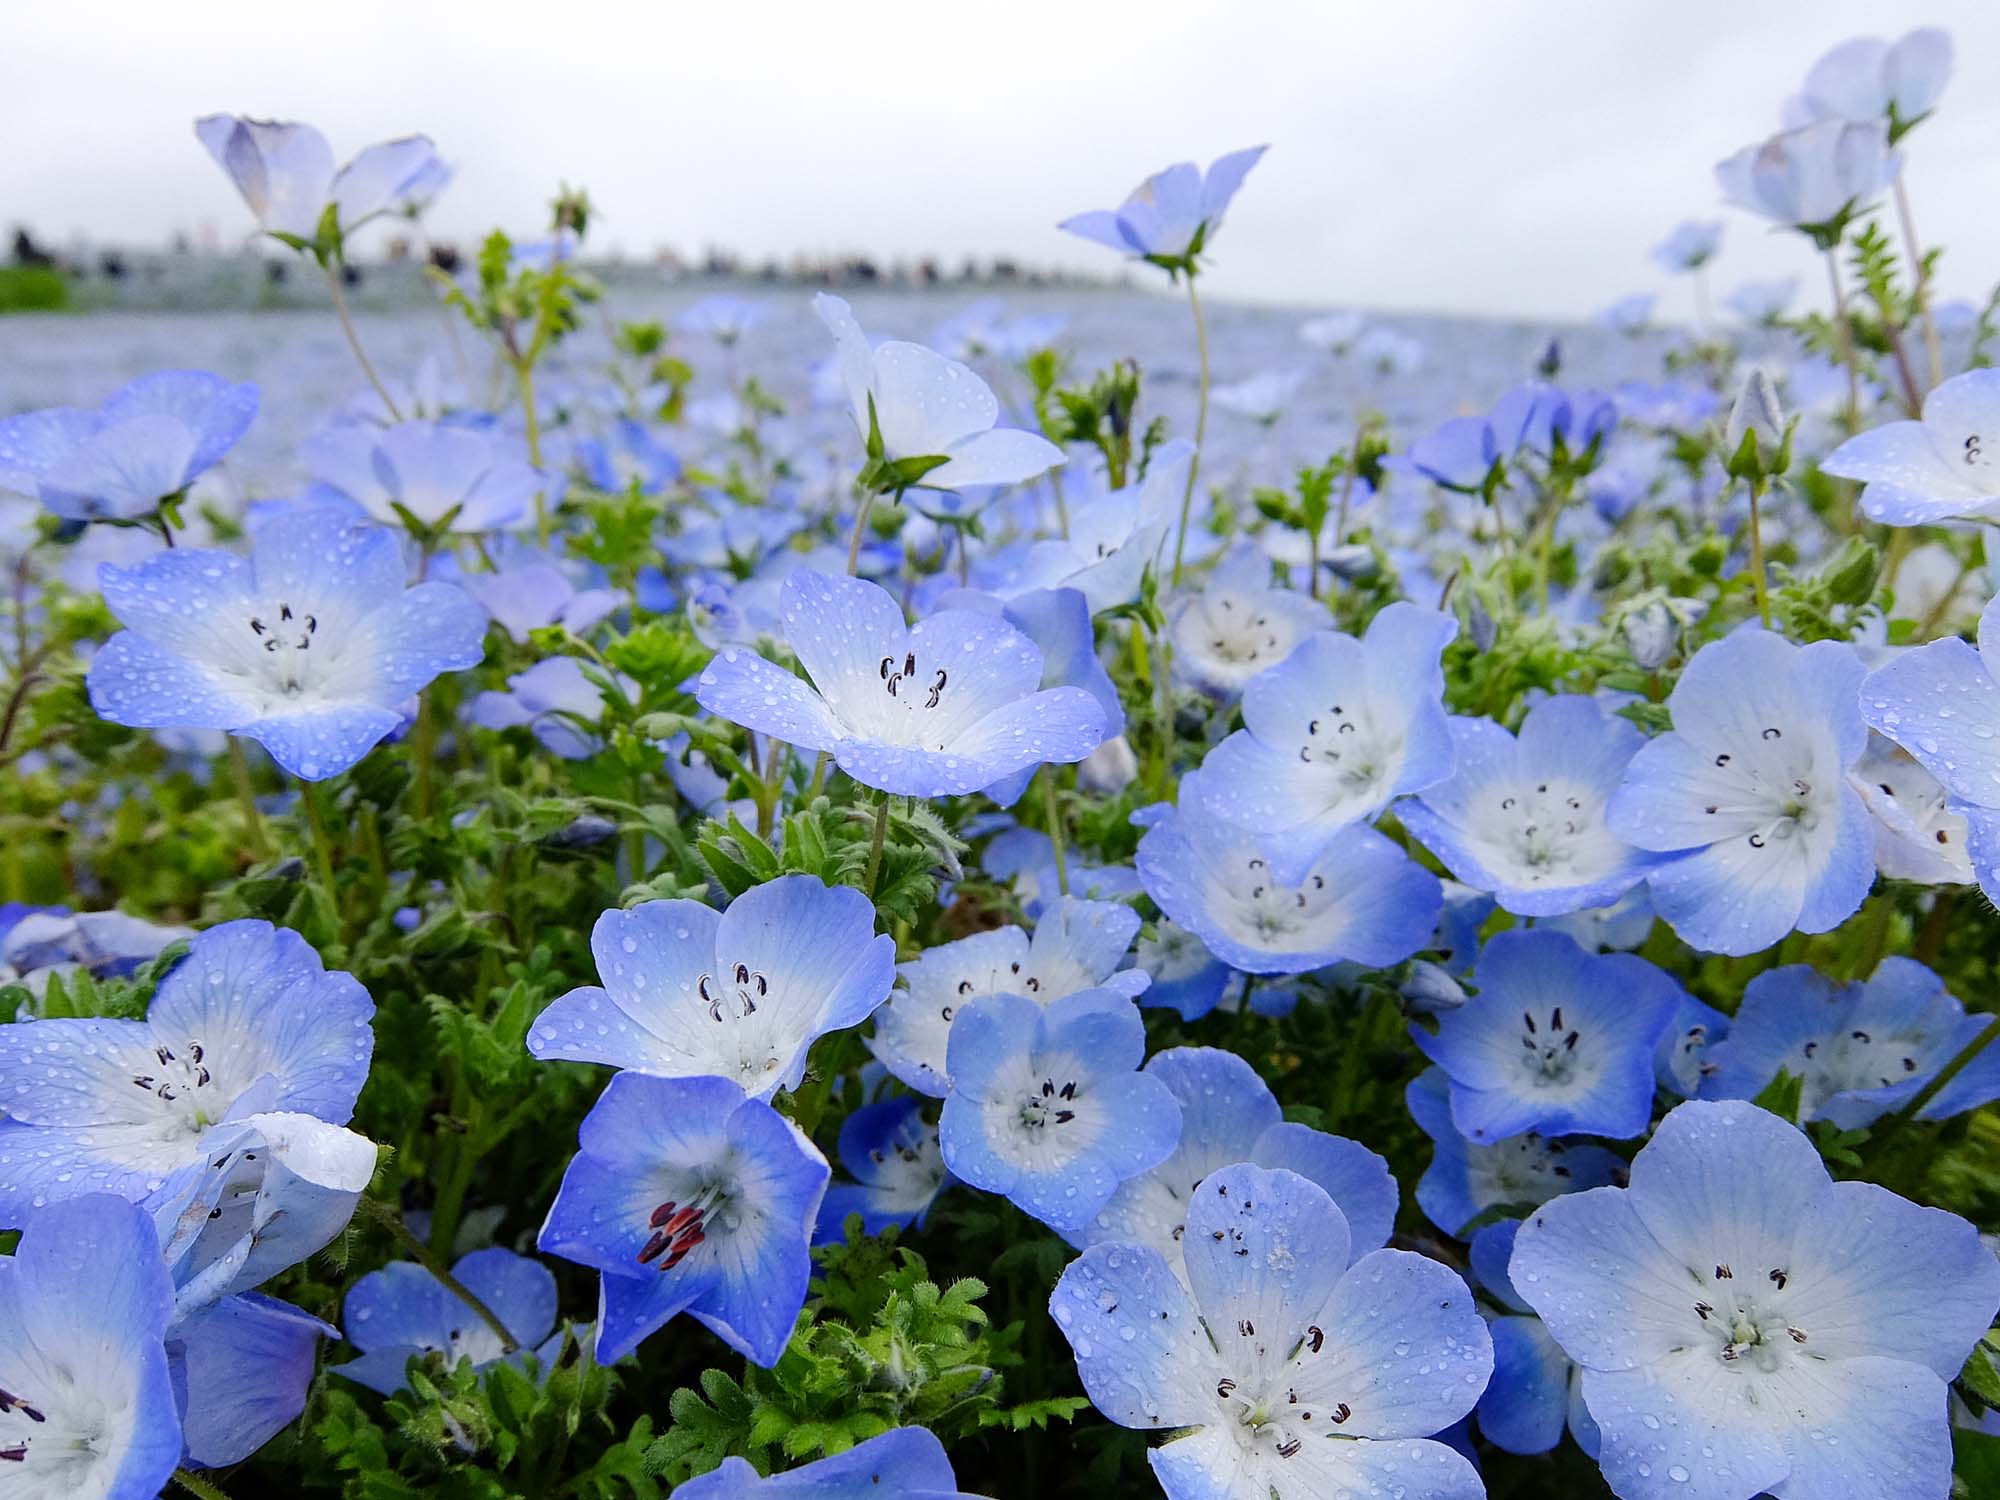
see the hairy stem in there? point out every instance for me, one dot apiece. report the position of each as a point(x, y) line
point(1200, 423)
point(386, 1216)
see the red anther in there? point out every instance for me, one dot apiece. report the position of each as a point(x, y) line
point(654, 1246)
point(681, 1249)
point(661, 1214)
point(681, 1220)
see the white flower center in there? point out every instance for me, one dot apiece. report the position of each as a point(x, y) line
point(1743, 1319)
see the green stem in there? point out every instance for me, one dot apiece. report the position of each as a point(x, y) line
point(194, 1484)
point(1846, 331)
point(246, 794)
point(354, 340)
point(386, 1216)
point(524, 372)
point(860, 526)
point(1913, 251)
point(818, 777)
point(423, 749)
point(875, 844)
point(1054, 817)
point(322, 845)
point(1200, 423)
point(1757, 580)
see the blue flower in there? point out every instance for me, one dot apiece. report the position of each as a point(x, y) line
point(1557, 1041)
point(249, 1023)
point(403, 1311)
point(1112, 534)
point(308, 646)
point(1169, 218)
point(1360, 898)
point(1229, 1115)
point(1292, 1371)
point(430, 476)
point(1466, 1179)
point(84, 1305)
point(1186, 977)
point(286, 175)
point(1683, 1060)
point(1813, 178)
point(904, 1463)
point(1047, 1106)
point(1746, 1324)
point(722, 318)
point(144, 445)
point(741, 994)
point(1941, 702)
point(1524, 817)
point(1750, 793)
point(241, 1369)
point(1690, 246)
point(1859, 1049)
point(1336, 730)
point(924, 406)
point(631, 455)
point(1460, 453)
point(556, 701)
point(1536, 1391)
point(1238, 624)
point(1077, 945)
point(533, 592)
point(1945, 467)
point(899, 1171)
point(938, 709)
point(690, 1197)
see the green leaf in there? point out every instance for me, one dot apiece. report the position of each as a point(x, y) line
point(1781, 1096)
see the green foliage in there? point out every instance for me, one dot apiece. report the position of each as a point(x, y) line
point(32, 289)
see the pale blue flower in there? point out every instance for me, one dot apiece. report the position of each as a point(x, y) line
point(1170, 218)
point(1945, 467)
point(403, 1311)
point(1690, 246)
point(1536, 1391)
point(286, 174)
point(241, 1369)
point(904, 1463)
point(1238, 624)
point(898, 1167)
point(1813, 178)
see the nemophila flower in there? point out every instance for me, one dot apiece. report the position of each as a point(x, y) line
point(1237, 624)
point(1047, 1106)
point(1762, 302)
point(1536, 1390)
point(1292, 1371)
point(308, 646)
point(402, 1311)
point(1859, 1050)
point(1682, 1060)
point(241, 1368)
point(1186, 976)
point(1813, 178)
point(928, 419)
point(88, 1408)
point(1333, 332)
point(904, 1463)
point(556, 701)
point(1078, 944)
point(740, 994)
point(690, 1197)
point(524, 598)
point(1944, 467)
point(629, 455)
point(1523, 817)
point(1628, 315)
point(1169, 218)
point(722, 318)
point(1390, 351)
point(936, 709)
point(1358, 897)
point(1556, 1041)
point(433, 477)
point(1919, 834)
point(1466, 1179)
point(1747, 1324)
point(1336, 730)
point(1112, 534)
point(1229, 1115)
point(892, 1152)
point(105, 944)
point(1691, 245)
point(1750, 794)
point(285, 172)
point(1866, 78)
point(1024, 860)
point(250, 1022)
point(146, 444)
point(1459, 453)
point(1261, 398)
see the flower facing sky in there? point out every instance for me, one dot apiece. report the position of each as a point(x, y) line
point(936, 709)
point(286, 174)
point(308, 646)
point(1170, 218)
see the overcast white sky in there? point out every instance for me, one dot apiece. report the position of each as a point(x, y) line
point(1453, 156)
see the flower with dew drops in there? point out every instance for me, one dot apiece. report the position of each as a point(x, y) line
point(904, 1463)
point(286, 174)
point(1944, 467)
point(402, 1310)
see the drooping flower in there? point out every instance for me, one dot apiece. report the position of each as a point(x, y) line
point(1813, 178)
point(1077, 945)
point(1170, 218)
point(1291, 1371)
point(1750, 794)
point(146, 444)
point(1536, 1391)
point(892, 1152)
point(1858, 1049)
point(286, 174)
point(1359, 898)
point(1238, 624)
point(740, 994)
point(1466, 1179)
point(688, 1196)
point(904, 1463)
point(89, 1411)
point(1556, 1042)
point(402, 1311)
point(940, 708)
point(241, 1368)
point(1229, 1115)
point(308, 646)
point(1747, 1324)
point(1335, 731)
point(923, 408)
point(1523, 817)
point(1945, 467)
point(249, 1024)
point(1047, 1106)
